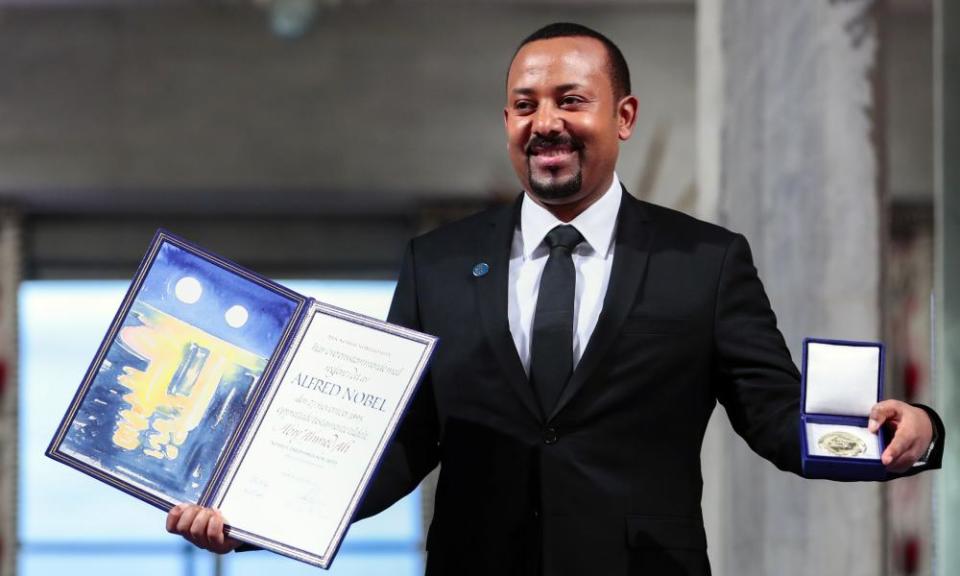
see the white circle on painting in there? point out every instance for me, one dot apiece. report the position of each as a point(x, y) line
point(188, 289)
point(236, 316)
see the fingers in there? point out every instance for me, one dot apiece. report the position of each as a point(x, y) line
point(882, 412)
point(173, 516)
point(215, 533)
point(900, 456)
point(911, 439)
point(203, 527)
point(198, 529)
point(896, 455)
point(183, 520)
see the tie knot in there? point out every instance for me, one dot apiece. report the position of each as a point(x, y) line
point(564, 236)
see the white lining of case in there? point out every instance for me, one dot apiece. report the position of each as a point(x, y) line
point(842, 379)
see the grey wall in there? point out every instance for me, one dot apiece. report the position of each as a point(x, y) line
point(798, 175)
point(188, 107)
point(907, 102)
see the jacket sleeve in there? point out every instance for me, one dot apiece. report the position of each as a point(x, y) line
point(935, 460)
point(414, 450)
point(756, 380)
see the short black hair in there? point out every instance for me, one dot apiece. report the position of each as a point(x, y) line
point(619, 71)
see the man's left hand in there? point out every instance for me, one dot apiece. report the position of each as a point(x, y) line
point(913, 432)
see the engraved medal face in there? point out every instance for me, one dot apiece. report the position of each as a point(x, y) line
point(842, 444)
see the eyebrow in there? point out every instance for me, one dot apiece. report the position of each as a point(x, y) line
point(561, 88)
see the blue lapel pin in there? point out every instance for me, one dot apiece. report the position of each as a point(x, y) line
point(481, 269)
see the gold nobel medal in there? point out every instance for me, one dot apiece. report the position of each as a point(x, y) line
point(842, 444)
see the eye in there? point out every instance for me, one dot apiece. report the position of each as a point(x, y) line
point(523, 106)
point(571, 100)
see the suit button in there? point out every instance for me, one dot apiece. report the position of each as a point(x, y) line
point(550, 435)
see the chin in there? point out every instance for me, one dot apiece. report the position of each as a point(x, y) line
point(557, 190)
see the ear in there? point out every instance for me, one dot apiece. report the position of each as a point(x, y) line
point(626, 116)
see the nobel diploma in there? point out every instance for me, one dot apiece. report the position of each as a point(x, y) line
point(216, 386)
point(318, 440)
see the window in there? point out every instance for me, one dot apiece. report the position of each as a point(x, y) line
point(70, 523)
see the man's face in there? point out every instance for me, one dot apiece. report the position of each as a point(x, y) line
point(563, 122)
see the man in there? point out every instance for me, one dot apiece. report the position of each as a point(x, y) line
point(585, 340)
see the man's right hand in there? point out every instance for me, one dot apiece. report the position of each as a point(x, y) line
point(203, 527)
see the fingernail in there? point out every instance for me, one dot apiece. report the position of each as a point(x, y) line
point(872, 425)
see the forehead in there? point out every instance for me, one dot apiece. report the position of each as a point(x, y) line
point(556, 61)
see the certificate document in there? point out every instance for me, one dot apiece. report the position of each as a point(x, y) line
point(216, 386)
point(323, 426)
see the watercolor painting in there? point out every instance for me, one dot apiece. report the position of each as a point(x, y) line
point(177, 377)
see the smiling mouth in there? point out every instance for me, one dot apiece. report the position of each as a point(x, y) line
point(552, 151)
point(552, 154)
point(552, 158)
point(549, 147)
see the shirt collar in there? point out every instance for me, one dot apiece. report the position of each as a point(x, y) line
point(597, 223)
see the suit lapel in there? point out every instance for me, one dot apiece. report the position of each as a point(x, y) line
point(634, 235)
point(492, 302)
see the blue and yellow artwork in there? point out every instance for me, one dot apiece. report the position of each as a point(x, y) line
point(175, 381)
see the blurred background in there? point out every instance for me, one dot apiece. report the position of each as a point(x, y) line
point(309, 139)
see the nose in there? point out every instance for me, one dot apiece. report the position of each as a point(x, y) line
point(547, 121)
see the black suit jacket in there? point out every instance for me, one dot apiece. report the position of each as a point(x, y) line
point(608, 483)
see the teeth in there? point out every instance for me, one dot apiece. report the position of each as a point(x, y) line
point(553, 151)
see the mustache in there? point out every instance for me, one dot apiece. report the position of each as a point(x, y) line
point(537, 142)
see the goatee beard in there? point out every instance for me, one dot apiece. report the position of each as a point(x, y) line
point(556, 190)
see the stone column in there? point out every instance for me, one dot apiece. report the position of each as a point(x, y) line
point(791, 162)
point(947, 271)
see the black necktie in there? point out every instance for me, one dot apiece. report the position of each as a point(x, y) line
point(551, 349)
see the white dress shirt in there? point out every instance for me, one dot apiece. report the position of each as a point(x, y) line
point(592, 260)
